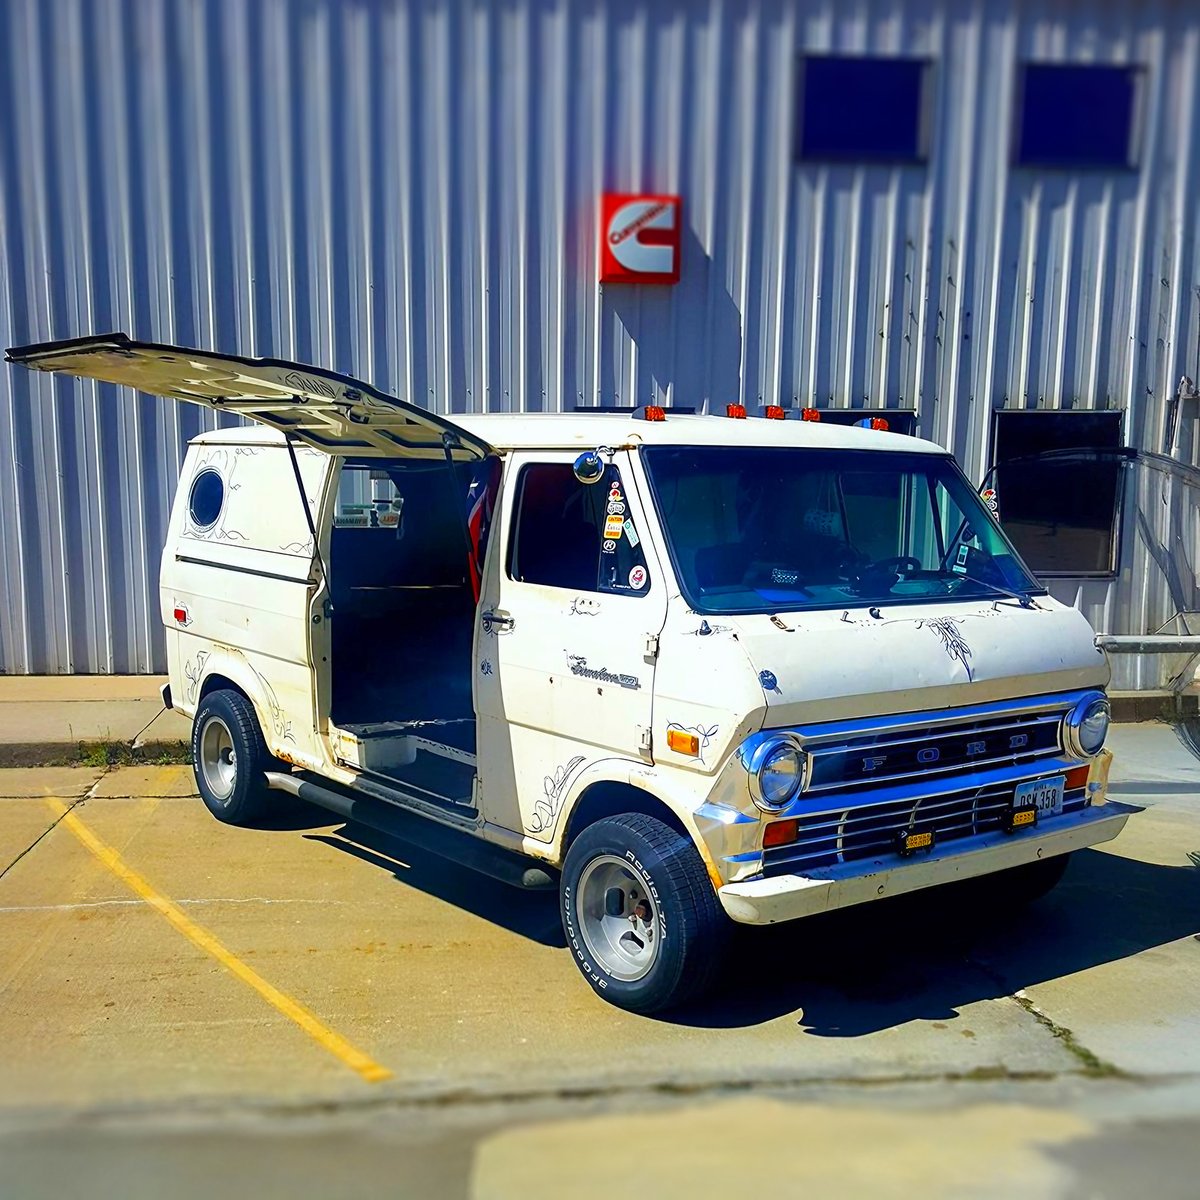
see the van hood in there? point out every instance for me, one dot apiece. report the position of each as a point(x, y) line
point(827, 666)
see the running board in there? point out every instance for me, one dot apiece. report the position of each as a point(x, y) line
point(458, 846)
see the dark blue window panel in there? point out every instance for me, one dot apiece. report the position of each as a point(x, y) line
point(1076, 116)
point(862, 109)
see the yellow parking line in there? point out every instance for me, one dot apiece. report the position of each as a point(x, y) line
point(337, 1045)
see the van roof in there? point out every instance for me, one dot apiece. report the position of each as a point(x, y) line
point(582, 431)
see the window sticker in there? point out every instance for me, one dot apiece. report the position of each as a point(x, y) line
point(637, 578)
point(631, 533)
point(613, 527)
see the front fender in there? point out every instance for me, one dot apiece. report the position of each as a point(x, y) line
point(674, 790)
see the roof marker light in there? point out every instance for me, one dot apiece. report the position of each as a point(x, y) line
point(653, 412)
point(737, 411)
point(775, 412)
point(872, 423)
point(809, 414)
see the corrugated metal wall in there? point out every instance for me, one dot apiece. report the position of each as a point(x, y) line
point(408, 192)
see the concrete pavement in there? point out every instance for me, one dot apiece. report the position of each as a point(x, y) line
point(48, 718)
point(921, 1039)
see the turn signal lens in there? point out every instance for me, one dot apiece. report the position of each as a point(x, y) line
point(736, 410)
point(652, 412)
point(779, 833)
point(683, 742)
point(1077, 777)
point(775, 412)
point(809, 414)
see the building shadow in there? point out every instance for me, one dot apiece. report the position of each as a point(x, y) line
point(680, 343)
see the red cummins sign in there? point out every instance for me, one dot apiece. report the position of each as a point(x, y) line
point(640, 238)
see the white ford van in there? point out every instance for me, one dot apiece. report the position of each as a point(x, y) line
point(695, 669)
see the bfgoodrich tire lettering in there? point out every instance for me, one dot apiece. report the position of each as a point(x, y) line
point(230, 758)
point(640, 916)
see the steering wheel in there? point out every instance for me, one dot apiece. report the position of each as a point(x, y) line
point(902, 564)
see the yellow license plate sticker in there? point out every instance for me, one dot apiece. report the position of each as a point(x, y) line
point(1024, 816)
point(918, 841)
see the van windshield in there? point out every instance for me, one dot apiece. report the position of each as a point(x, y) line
point(773, 529)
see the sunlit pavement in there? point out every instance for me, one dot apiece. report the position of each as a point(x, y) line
point(311, 1009)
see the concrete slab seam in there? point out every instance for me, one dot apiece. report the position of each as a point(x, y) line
point(57, 820)
point(1093, 1064)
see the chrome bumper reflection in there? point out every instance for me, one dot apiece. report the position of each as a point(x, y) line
point(765, 901)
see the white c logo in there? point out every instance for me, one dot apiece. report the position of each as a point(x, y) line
point(624, 229)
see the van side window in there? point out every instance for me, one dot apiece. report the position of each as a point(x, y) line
point(572, 535)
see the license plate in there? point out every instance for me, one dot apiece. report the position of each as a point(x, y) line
point(1045, 795)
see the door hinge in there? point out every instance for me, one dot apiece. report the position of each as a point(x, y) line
point(646, 743)
point(651, 650)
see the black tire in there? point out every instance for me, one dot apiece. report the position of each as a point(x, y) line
point(1025, 884)
point(242, 798)
point(686, 917)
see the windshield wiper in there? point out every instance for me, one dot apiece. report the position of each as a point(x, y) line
point(1023, 598)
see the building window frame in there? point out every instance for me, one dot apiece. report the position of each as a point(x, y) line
point(803, 154)
point(1111, 570)
point(1023, 160)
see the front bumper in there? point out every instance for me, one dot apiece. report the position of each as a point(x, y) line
point(786, 897)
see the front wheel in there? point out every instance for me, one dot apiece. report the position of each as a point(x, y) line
point(1016, 887)
point(640, 914)
point(230, 757)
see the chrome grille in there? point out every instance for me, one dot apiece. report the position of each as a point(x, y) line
point(871, 830)
point(930, 750)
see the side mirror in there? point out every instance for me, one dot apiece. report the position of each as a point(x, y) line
point(589, 467)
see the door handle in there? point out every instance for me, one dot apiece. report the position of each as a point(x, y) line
point(496, 620)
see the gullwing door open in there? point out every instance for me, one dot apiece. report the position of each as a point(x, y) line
point(330, 412)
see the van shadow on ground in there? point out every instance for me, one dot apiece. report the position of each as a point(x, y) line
point(879, 965)
point(925, 956)
point(532, 915)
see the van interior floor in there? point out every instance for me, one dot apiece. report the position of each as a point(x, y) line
point(433, 760)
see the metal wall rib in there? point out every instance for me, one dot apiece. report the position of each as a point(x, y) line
point(408, 190)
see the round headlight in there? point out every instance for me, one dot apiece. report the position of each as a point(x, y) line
point(1086, 726)
point(780, 776)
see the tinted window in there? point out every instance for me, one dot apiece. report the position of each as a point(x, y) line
point(854, 109)
point(1061, 514)
point(1076, 116)
point(573, 535)
point(206, 498)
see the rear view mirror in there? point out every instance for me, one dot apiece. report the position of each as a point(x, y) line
point(589, 467)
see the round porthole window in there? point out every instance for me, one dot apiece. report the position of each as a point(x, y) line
point(206, 498)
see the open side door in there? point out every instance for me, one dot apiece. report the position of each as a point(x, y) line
point(331, 412)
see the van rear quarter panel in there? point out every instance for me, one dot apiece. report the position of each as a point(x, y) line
point(244, 583)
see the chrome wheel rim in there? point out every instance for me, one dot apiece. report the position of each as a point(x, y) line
point(218, 758)
point(618, 917)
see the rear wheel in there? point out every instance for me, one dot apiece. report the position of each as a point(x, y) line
point(230, 758)
point(640, 914)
